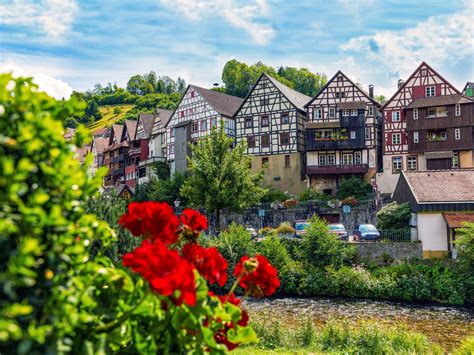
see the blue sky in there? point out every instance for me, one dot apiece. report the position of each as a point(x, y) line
point(70, 44)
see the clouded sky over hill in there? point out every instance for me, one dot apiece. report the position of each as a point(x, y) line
point(69, 44)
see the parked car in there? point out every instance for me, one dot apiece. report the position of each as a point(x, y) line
point(339, 230)
point(366, 232)
point(300, 227)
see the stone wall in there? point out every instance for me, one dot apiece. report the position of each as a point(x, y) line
point(380, 250)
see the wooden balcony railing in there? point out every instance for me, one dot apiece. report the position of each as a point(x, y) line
point(337, 169)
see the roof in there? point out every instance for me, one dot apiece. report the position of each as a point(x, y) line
point(116, 146)
point(440, 100)
point(69, 133)
point(469, 85)
point(118, 129)
point(147, 120)
point(225, 104)
point(329, 124)
point(432, 186)
point(456, 220)
point(295, 97)
point(100, 144)
point(131, 126)
point(100, 131)
point(351, 105)
point(81, 152)
point(164, 115)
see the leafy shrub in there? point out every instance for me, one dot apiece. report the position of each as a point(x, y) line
point(274, 195)
point(465, 259)
point(322, 248)
point(117, 110)
point(285, 228)
point(354, 187)
point(350, 281)
point(311, 194)
point(351, 201)
point(275, 251)
point(394, 216)
point(266, 231)
point(466, 347)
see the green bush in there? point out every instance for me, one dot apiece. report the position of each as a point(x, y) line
point(275, 251)
point(350, 281)
point(465, 259)
point(322, 248)
point(285, 228)
point(354, 187)
point(311, 194)
point(274, 195)
point(466, 347)
point(394, 216)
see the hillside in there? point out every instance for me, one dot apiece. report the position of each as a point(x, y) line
point(110, 115)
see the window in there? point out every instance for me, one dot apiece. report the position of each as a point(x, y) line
point(353, 135)
point(204, 125)
point(214, 122)
point(415, 113)
point(347, 159)
point(172, 131)
point(437, 135)
point(331, 159)
point(424, 72)
point(345, 113)
point(367, 132)
point(395, 116)
point(264, 122)
point(396, 164)
point(358, 158)
point(457, 110)
point(322, 160)
point(181, 113)
point(353, 112)
point(317, 114)
point(265, 141)
point(416, 137)
point(455, 161)
point(440, 111)
point(287, 161)
point(193, 94)
point(251, 142)
point(371, 110)
point(457, 134)
point(396, 138)
point(265, 162)
point(284, 138)
point(412, 163)
point(430, 91)
point(285, 118)
point(332, 112)
point(195, 127)
point(248, 122)
point(263, 101)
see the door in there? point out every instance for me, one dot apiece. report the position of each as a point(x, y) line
point(439, 164)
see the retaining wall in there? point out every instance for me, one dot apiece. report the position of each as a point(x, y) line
point(397, 251)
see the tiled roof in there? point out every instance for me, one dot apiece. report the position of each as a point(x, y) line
point(456, 220)
point(100, 131)
point(147, 120)
point(296, 98)
point(118, 129)
point(164, 115)
point(225, 104)
point(440, 100)
point(100, 144)
point(441, 185)
point(131, 126)
point(351, 105)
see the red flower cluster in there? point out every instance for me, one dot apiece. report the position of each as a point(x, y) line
point(208, 261)
point(221, 335)
point(193, 220)
point(165, 270)
point(154, 220)
point(261, 280)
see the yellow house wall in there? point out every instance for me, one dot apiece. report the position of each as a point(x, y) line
point(465, 159)
point(290, 177)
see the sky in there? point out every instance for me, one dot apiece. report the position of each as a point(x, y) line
point(72, 45)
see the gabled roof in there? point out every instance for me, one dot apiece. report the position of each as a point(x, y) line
point(339, 72)
point(441, 186)
point(225, 104)
point(100, 144)
point(100, 132)
point(117, 130)
point(440, 100)
point(411, 76)
point(130, 129)
point(146, 120)
point(295, 97)
point(469, 85)
point(164, 116)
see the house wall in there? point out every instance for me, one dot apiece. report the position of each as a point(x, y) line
point(289, 177)
point(432, 231)
point(465, 159)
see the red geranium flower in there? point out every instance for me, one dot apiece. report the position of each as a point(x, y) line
point(154, 220)
point(165, 270)
point(193, 220)
point(260, 279)
point(208, 261)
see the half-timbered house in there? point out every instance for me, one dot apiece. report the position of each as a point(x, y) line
point(271, 121)
point(198, 111)
point(114, 157)
point(343, 133)
point(427, 125)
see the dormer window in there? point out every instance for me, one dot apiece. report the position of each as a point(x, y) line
point(430, 91)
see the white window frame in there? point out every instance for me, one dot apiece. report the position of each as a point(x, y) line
point(399, 138)
point(353, 112)
point(444, 136)
point(457, 134)
point(331, 159)
point(399, 160)
point(345, 113)
point(322, 160)
point(332, 112)
point(412, 164)
point(350, 159)
point(416, 137)
point(397, 114)
point(430, 91)
point(353, 135)
point(415, 113)
point(371, 110)
point(455, 161)
point(457, 110)
point(318, 114)
point(357, 157)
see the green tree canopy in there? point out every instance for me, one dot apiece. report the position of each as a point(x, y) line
point(221, 176)
point(354, 187)
point(394, 216)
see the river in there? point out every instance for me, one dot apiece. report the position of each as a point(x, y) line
point(444, 325)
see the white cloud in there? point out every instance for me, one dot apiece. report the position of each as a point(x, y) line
point(50, 85)
point(438, 40)
point(240, 16)
point(54, 17)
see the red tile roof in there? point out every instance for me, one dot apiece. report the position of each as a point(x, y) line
point(456, 220)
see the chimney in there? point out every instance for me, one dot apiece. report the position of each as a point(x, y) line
point(400, 83)
point(371, 91)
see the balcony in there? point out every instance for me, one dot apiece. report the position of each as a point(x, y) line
point(337, 169)
point(118, 158)
point(336, 144)
point(118, 172)
point(150, 161)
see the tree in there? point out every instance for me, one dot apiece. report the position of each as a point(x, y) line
point(221, 177)
point(380, 98)
point(394, 216)
point(354, 187)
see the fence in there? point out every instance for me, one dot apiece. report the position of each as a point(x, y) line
point(396, 235)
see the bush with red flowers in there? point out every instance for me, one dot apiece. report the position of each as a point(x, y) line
point(192, 317)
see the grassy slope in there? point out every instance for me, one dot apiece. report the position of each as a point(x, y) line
point(109, 117)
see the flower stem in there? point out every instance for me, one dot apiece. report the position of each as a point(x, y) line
point(234, 286)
